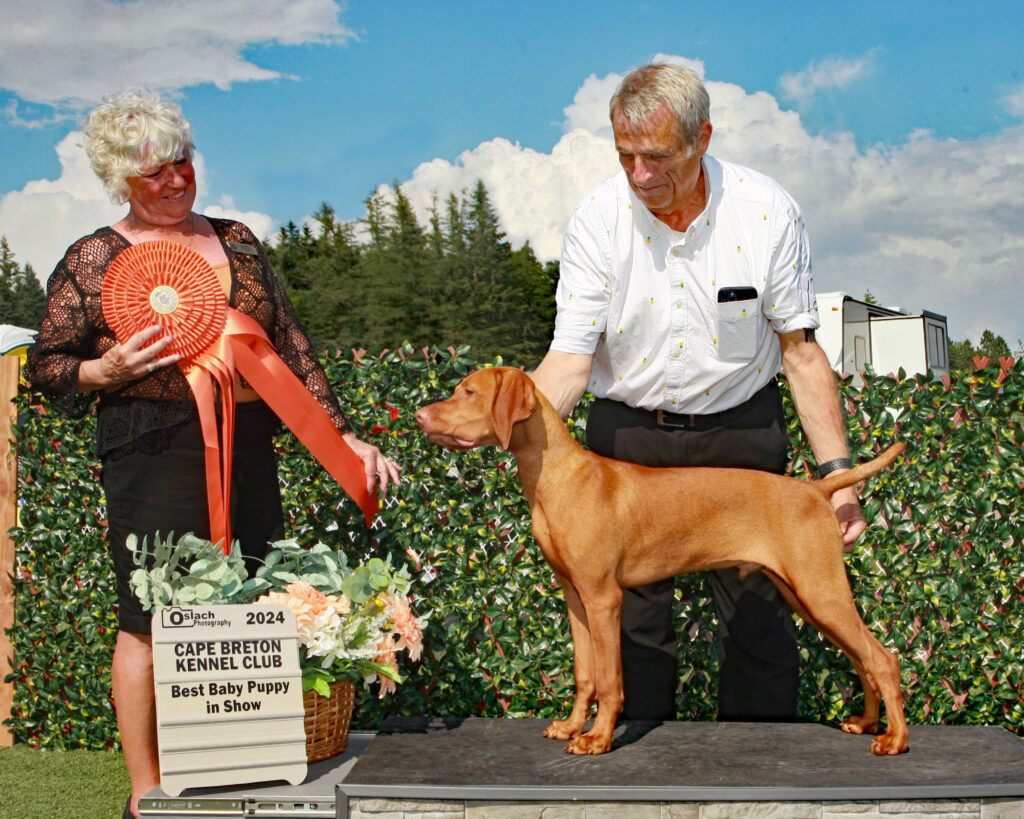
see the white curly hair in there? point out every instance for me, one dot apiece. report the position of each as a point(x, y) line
point(131, 132)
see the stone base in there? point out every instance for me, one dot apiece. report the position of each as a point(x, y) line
point(504, 769)
point(435, 809)
point(484, 768)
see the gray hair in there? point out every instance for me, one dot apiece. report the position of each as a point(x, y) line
point(645, 89)
point(133, 131)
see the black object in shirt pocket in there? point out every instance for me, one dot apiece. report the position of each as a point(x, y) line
point(737, 323)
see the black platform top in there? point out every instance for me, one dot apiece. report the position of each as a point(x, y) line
point(509, 759)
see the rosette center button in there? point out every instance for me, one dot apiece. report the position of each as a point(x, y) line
point(164, 299)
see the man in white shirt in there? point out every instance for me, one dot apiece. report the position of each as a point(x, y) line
point(685, 287)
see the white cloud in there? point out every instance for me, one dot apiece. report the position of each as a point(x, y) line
point(42, 219)
point(832, 72)
point(589, 108)
point(533, 192)
point(64, 55)
point(1014, 101)
point(14, 113)
point(259, 223)
point(926, 224)
point(697, 66)
point(70, 53)
point(46, 216)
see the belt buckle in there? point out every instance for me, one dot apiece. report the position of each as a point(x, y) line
point(663, 422)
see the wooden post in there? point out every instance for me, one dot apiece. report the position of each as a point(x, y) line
point(10, 369)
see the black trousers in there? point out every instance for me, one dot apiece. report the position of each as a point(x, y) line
point(759, 663)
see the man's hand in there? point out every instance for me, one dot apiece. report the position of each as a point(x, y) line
point(851, 518)
point(813, 387)
point(562, 379)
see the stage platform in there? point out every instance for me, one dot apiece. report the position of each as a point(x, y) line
point(485, 768)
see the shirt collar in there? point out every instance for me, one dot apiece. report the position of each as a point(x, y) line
point(705, 221)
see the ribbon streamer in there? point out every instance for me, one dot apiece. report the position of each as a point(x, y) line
point(245, 348)
point(156, 282)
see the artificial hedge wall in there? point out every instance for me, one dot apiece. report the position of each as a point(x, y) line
point(938, 575)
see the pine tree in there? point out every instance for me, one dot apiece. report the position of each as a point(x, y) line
point(335, 303)
point(403, 276)
point(454, 283)
point(22, 300)
point(963, 353)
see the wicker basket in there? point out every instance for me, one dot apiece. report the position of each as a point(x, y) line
point(327, 720)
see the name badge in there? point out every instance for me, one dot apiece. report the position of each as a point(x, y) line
point(238, 247)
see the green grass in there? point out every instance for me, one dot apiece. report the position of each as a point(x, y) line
point(67, 784)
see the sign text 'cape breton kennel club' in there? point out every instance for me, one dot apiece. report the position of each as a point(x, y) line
point(228, 696)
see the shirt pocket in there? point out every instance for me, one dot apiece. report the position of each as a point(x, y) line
point(738, 323)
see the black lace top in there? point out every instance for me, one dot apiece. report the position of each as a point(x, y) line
point(143, 415)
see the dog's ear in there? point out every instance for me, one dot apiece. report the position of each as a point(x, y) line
point(513, 401)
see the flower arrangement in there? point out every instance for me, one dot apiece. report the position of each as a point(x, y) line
point(351, 622)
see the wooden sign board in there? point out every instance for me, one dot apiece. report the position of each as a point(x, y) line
point(228, 696)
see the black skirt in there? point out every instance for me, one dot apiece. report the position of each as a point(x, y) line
point(166, 492)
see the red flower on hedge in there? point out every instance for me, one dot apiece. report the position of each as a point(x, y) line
point(384, 427)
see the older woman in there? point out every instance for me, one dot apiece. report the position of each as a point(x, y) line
point(148, 435)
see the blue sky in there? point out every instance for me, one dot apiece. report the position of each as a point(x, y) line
point(896, 125)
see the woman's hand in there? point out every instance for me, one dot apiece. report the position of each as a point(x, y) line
point(374, 464)
point(128, 361)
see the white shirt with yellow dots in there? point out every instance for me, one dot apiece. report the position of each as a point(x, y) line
point(644, 299)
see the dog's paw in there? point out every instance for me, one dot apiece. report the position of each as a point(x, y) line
point(889, 743)
point(860, 725)
point(562, 729)
point(590, 743)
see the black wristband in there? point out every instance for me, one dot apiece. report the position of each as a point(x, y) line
point(833, 465)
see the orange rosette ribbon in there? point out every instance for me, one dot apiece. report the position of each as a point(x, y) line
point(167, 283)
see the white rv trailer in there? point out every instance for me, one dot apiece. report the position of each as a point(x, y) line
point(854, 333)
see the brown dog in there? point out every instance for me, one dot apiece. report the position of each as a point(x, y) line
point(677, 523)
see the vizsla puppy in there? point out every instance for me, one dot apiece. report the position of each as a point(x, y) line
point(672, 521)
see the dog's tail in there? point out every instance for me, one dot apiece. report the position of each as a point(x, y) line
point(833, 483)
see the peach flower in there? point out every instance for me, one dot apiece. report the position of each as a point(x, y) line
point(305, 616)
point(406, 626)
point(386, 656)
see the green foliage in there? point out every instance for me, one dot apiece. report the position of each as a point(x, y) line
point(939, 575)
point(324, 279)
point(323, 567)
point(991, 346)
point(189, 572)
point(63, 637)
point(196, 572)
point(366, 582)
point(458, 281)
point(22, 299)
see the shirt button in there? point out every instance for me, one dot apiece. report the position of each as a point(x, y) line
point(676, 353)
point(677, 252)
point(679, 302)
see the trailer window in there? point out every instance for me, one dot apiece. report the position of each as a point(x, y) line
point(937, 347)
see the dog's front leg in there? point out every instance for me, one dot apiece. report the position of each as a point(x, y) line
point(583, 667)
point(604, 615)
